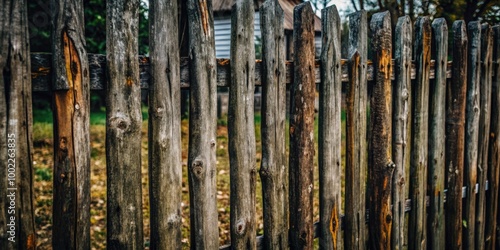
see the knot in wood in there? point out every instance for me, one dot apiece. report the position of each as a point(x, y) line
point(63, 144)
point(240, 227)
point(197, 168)
point(120, 121)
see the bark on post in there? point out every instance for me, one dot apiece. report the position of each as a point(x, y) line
point(16, 144)
point(472, 131)
point(437, 113)
point(455, 137)
point(401, 128)
point(202, 126)
point(241, 129)
point(484, 132)
point(164, 138)
point(420, 101)
point(302, 130)
point(330, 132)
point(274, 171)
point(123, 127)
point(494, 146)
point(380, 155)
point(356, 146)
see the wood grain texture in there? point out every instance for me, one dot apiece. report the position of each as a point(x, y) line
point(401, 129)
point(241, 127)
point(123, 127)
point(16, 122)
point(71, 207)
point(472, 131)
point(202, 126)
point(164, 132)
point(302, 130)
point(417, 236)
point(330, 132)
point(380, 141)
point(356, 231)
point(494, 146)
point(273, 170)
point(437, 127)
point(455, 137)
point(484, 132)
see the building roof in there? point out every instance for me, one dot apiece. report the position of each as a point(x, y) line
point(224, 6)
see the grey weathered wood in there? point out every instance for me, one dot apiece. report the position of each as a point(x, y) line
point(455, 134)
point(472, 131)
point(356, 147)
point(40, 70)
point(401, 129)
point(123, 127)
point(16, 122)
point(437, 127)
point(71, 207)
point(241, 127)
point(330, 132)
point(202, 126)
point(494, 146)
point(484, 132)
point(302, 130)
point(164, 133)
point(274, 171)
point(417, 236)
point(380, 141)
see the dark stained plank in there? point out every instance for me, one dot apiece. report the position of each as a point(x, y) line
point(202, 126)
point(123, 127)
point(273, 170)
point(330, 132)
point(164, 127)
point(71, 107)
point(302, 130)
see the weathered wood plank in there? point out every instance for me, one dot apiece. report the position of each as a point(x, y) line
point(164, 133)
point(202, 126)
point(302, 130)
point(123, 127)
point(484, 132)
point(455, 137)
point(401, 129)
point(437, 127)
point(241, 127)
point(273, 170)
point(380, 142)
point(330, 132)
point(40, 71)
point(17, 222)
point(494, 146)
point(417, 236)
point(71, 207)
point(472, 131)
point(356, 147)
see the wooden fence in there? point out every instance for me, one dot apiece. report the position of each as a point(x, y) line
point(422, 146)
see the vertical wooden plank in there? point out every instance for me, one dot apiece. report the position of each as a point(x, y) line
point(241, 126)
point(273, 170)
point(401, 128)
point(455, 136)
point(123, 127)
point(484, 132)
point(356, 148)
point(437, 126)
point(202, 126)
point(380, 155)
point(494, 146)
point(330, 132)
point(71, 209)
point(420, 106)
point(164, 133)
point(302, 130)
point(472, 131)
point(17, 219)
